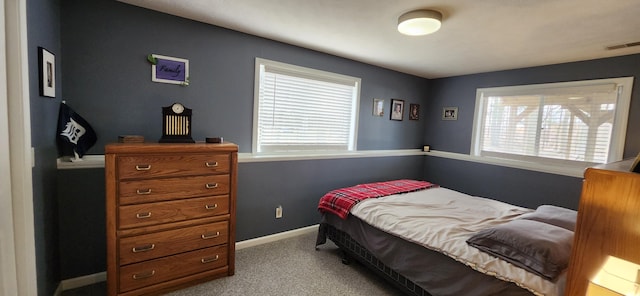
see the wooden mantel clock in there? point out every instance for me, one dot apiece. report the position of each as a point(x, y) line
point(176, 124)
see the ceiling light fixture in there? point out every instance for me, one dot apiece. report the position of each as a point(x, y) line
point(419, 22)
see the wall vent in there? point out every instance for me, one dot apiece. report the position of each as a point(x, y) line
point(619, 46)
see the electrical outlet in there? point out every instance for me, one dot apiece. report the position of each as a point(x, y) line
point(278, 212)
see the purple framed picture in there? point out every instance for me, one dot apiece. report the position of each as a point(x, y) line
point(169, 70)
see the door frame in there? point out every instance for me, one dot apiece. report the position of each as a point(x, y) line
point(19, 276)
point(8, 275)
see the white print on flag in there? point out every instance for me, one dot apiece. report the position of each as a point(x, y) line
point(74, 135)
point(73, 131)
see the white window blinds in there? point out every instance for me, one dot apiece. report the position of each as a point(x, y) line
point(561, 123)
point(301, 109)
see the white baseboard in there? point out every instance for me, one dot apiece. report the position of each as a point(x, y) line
point(91, 279)
point(275, 237)
point(82, 281)
point(58, 290)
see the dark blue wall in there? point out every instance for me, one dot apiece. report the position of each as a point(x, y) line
point(522, 187)
point(108, 79)
point(81, 222)
point(455, 136)
point(298, 185)
point(108, 82)
point(43, 18)
point(515, 186)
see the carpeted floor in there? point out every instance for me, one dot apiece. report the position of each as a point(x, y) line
point(287, 267)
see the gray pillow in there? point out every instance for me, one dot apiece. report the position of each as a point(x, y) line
point(538, 247)
point(553, 215)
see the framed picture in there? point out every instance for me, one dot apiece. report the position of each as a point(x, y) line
point(414, 112)
point(169, 69)
point(378, 107)
point(47, 74)
point(450, 113)
point(397, 109)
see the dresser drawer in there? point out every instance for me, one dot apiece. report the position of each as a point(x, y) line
point(151, 166)
point(151, 272)
point(155, 245)
point(139, 215)
point(141, 191)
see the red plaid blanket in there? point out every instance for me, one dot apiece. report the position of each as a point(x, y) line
point(340, 201)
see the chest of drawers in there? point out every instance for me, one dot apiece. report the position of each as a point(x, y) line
point(170, 213)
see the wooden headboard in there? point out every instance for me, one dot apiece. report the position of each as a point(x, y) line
point(608, 222)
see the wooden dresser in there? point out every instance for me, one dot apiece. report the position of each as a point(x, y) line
point(170, 211)
point(608, 223)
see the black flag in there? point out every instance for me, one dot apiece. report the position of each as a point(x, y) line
point(74, 135)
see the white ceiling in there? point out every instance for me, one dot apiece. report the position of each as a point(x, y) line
point(476, 35)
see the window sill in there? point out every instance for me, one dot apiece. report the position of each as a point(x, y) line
point(577, 172)
point(249, 157)
point(97, 161)
point(87, 162)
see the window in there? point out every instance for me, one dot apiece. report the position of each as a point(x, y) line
point(299, 109)
point(564, 124)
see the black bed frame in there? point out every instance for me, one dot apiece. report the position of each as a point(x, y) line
point(351, 249)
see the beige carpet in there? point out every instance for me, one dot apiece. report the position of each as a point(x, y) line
point(287, 267)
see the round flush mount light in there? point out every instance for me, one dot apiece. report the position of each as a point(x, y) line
point(420, 22)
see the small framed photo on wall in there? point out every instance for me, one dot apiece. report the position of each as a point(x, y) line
point(450, 113)
point(378, 107)
point(414, 112)
point(397, 109)
point(47, 74)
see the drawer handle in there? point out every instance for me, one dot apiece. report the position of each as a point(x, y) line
point(145, 167)
point(143, 215)
point(211, 185)
point(208, 236)
point(148, 247)
point(143, 192)
point(211, 207)
point(207, 260)
point(211, 164)
point(139, 276)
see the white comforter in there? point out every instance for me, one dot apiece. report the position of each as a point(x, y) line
point(442, 220)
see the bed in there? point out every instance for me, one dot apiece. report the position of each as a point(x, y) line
point(429, 240)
